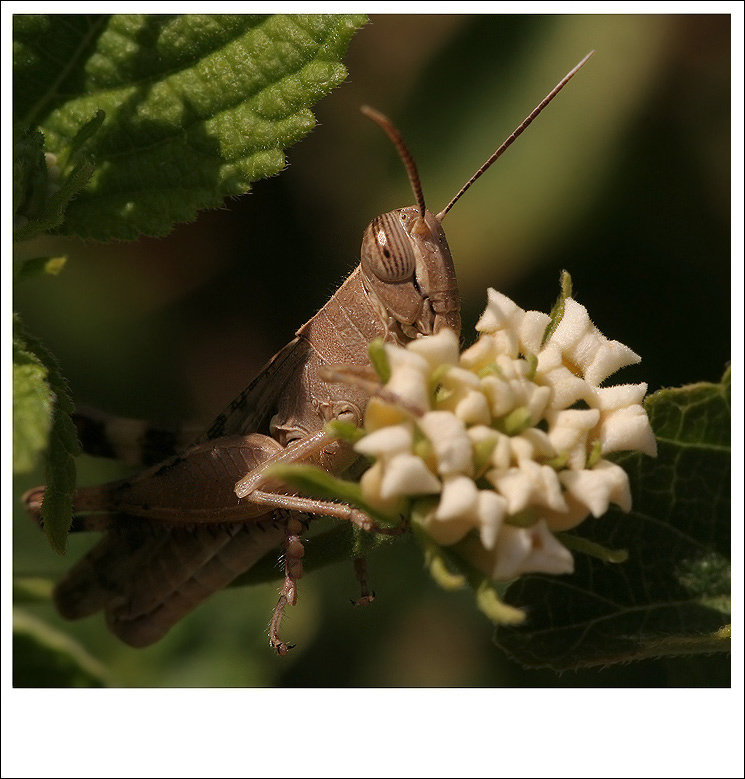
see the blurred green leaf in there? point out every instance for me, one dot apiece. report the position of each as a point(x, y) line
point(672, 597)
point(31, 589)
point(42, 422)
point(44, 657)
point(197, 107)
point(38, 266)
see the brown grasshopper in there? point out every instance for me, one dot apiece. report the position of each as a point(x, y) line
point(187, 526)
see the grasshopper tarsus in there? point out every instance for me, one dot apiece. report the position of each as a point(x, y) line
point(365, 600)
point(360, 572)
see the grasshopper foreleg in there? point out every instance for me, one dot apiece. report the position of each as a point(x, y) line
point(323, 508)
point(249, 487)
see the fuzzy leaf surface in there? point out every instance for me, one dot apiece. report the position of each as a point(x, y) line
point(197, 107)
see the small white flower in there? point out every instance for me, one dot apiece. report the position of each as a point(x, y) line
point(582, 343)
point(371, 484)
point(532, 328)
point(387, 441)
point(627, 429)
point(409, 376)
point(499, 394)
point(569, 433)
point(491, 511)
point(624, 424)
point(439, 349)
point(463, 508)
point(473, 408)
point(566, 387)
point(406, 474)
point(500, 312)
point(520, 550)
point(528, 484)
point(450, 442)
point(462, 395)
point(479, 356)
point(598, 487)
point(459, 498)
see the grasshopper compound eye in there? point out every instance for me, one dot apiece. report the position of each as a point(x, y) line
point(387, 251)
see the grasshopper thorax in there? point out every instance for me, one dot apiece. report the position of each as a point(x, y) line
point(408, 269)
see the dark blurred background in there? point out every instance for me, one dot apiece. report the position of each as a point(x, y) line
point(624, 181)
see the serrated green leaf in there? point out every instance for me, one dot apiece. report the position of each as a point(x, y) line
point(32, 407)
point(197, 106)
point(75, 166)
point(29, 173)
point(672, 596)
point(61, 445)
point(44, 183)
point(44, 657)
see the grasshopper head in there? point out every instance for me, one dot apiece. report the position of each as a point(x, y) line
point(408, 269)
point(406, 261)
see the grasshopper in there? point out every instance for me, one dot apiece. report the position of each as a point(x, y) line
point(188, 525)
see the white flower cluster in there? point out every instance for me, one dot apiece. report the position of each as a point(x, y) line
point(508, 437)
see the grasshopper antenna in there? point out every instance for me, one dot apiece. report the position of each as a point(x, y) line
point(387, 126)
point(523, 125)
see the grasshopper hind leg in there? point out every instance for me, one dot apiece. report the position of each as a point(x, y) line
point(146, 577)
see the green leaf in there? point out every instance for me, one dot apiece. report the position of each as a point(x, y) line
point(672, 596)
point(197, 107)
point(43, 406)
point(29, 174)
point(32, 407)
point(44, 657)
point(32, 589)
